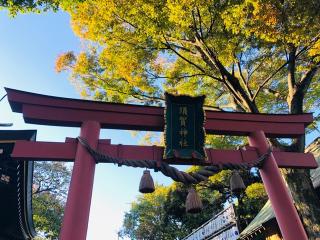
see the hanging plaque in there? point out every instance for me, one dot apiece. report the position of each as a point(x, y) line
point(221, 227)
point(184, 131)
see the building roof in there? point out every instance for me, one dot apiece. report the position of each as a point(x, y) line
point(266, 213)
point(314, 148)
point(16, 221)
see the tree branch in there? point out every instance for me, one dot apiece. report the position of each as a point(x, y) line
point(305, 81)
point(230, 81)
point(182, 48)
point(182, 57)
point(200, 22)
point(126, 21)
point(134, 94)
point(268, 79)
point(245, 84)
point(291, 69)
point(306, 48)
point(254, 70)
point(155, 76)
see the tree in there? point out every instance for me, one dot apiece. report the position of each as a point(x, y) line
point(254, 199)
point(146, 218)
point(258, 56)
point(162, 214)
point(23, 6)
point(36, 6)
point(50, 186)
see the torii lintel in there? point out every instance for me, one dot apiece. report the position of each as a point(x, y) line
point(55, 151)
point(57, 111)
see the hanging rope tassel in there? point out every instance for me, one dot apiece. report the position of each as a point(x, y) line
point(236, 183)
point(193, 202)
point(146, 183)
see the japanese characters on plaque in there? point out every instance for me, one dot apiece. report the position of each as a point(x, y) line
point(184, 132)
point(221, 227)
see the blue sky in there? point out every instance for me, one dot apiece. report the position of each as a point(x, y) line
point(29, 45)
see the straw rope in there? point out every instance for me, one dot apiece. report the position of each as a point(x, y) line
point(172, 172)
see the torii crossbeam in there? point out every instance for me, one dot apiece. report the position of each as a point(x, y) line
point(91, 116)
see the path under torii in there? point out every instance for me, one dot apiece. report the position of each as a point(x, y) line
point(91, 116)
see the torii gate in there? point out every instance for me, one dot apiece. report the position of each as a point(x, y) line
point(90, 116)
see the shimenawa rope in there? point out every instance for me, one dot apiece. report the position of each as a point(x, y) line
point(172, 172)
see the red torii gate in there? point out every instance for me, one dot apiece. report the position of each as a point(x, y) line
point(91, 116)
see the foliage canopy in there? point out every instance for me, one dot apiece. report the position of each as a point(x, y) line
point(161, 215)
point(50, 187)
point(235, 52)
point(246, 55)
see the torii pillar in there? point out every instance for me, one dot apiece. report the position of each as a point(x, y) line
point(286, 214)
point(77, 208)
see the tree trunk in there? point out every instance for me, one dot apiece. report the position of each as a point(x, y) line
point(303, 193)
point(298, 180)
point(305, 199)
